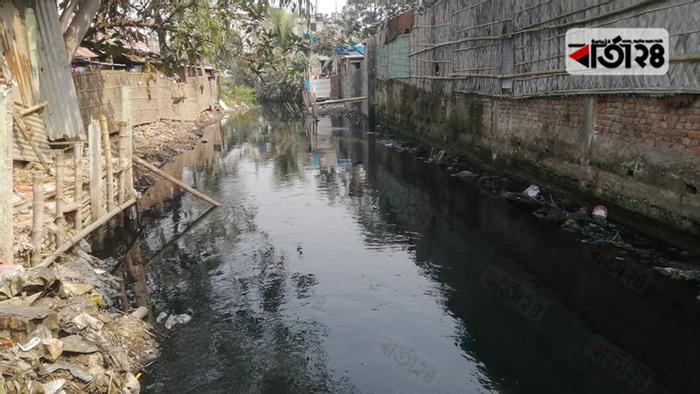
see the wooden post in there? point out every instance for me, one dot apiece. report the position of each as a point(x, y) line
point(94, 145)
point(109, 165)
point(78, 172)
point(37, 216)
point(60, 178)
point(124, 163)
point(6, 240)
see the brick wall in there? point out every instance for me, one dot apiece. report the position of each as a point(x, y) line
point(672, 122)
point(641, 153)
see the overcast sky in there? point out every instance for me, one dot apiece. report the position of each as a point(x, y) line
point(328, 6)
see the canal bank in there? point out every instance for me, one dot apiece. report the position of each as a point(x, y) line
point(341, 262)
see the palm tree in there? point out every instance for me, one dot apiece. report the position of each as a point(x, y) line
point(281, 28)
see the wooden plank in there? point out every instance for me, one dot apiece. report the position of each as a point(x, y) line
point(95, 170)
point(167, 177)
point(109, 169)
point(6, 241)
point(33, 108)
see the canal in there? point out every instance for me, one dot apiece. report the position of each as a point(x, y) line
point(339, 263)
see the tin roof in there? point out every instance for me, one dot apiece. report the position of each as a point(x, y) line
point(85, 53)
point(55, 78)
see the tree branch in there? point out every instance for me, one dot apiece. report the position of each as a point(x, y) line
point(67, 13)
point(79, 25)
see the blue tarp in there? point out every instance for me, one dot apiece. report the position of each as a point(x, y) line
point(350, 50)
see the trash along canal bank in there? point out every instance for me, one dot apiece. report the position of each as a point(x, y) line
point(61, 331)
point(69, 326)
point(343, 260)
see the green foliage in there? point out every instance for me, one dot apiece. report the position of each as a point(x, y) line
point(361, 18)
point(328, 39)
point(189, 31)
point(236, 94)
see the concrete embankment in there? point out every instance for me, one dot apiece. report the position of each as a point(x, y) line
point(599, 148)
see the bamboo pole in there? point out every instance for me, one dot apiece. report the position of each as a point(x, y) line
point(37, 216)
point(124, 163)
point(60, 177)
point(85, 232)
point(78, 180)
point(345, 100)
point(6, 241)
point(169, 178)
point(109, 165)
point(94, 145)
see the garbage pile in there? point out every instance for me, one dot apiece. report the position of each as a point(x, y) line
point(60, 331)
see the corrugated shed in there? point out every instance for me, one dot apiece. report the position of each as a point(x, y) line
point(55, 79)
point(15, 49)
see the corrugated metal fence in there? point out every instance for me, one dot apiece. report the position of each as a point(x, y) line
point(517, 49)
point(393, 60)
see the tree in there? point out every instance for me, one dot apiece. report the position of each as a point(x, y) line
point(360, 18)
point(186, 30)
point(75, 21)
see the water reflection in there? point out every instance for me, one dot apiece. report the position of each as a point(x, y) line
point(340, 265)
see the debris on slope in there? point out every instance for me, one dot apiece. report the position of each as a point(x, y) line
point(59, 331)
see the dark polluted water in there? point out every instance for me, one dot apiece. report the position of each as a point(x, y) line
point(339, 264)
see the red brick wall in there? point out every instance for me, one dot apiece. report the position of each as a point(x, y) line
point(672, 122)
point(546, 126)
